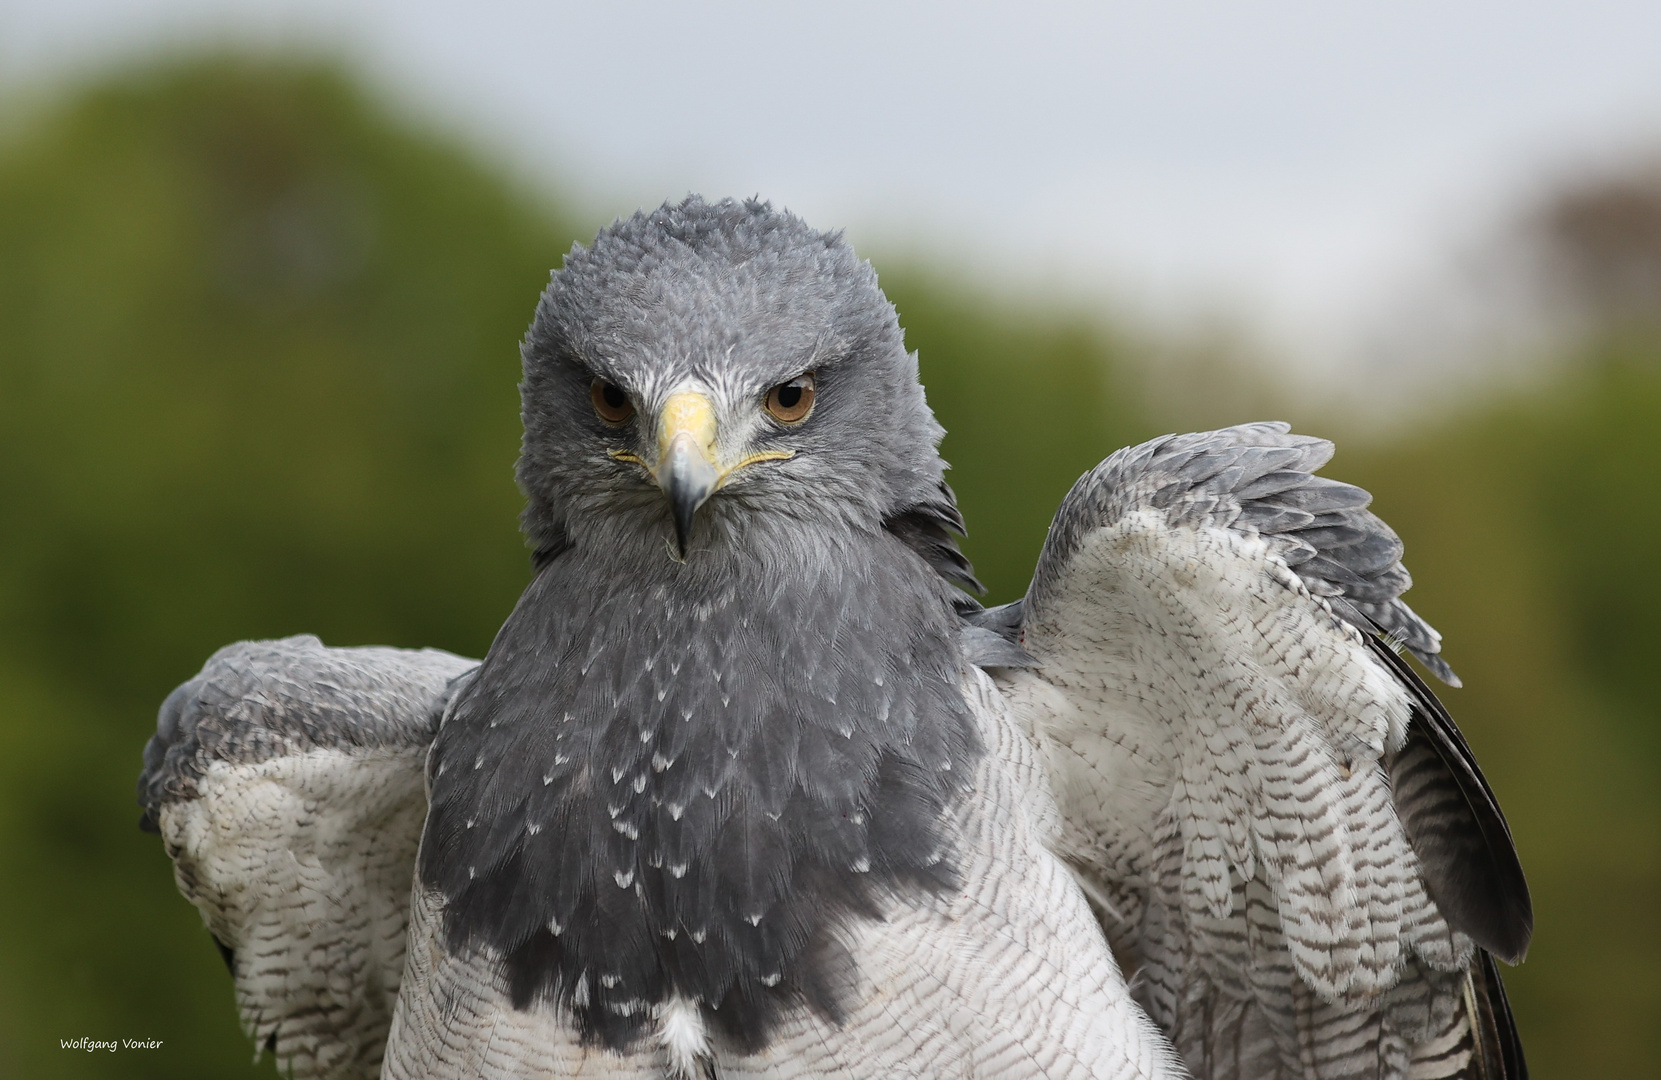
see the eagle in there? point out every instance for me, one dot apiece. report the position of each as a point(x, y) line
point(750, 785)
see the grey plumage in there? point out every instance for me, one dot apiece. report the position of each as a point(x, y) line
point(731, 794)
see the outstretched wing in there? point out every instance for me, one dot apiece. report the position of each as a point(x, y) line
point(1280, 825)
point(286, 781)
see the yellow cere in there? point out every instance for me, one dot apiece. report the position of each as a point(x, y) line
point(687, 414)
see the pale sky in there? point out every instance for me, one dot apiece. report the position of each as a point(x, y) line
point(1303, 161)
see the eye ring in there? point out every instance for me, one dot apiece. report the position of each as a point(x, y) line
point(610, 402)
point(791, 402)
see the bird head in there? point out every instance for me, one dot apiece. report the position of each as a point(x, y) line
point(708, 367)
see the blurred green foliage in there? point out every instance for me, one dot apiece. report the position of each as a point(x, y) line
point(257, 366)
point(258, 369)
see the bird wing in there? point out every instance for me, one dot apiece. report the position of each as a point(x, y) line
point(286, 781)
point(1279, 824)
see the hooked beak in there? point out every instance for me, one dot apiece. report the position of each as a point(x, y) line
point(686, 469)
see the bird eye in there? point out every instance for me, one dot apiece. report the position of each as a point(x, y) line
point(610, 402)
point(792, 401)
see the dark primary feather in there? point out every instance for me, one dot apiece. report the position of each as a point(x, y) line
point(226, 953)
point(1455, 825)
point(1500, 1048)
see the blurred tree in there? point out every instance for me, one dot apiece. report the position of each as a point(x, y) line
point(257, 367)
point(1599, 243)
point(1590, 446)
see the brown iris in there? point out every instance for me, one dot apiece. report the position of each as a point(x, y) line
point(610, 402)
point(791, 402)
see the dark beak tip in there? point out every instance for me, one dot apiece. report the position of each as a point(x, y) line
point(688, 481)
point(683, 530)
point(684, 502)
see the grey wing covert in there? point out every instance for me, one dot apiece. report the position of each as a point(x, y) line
point(286, 781)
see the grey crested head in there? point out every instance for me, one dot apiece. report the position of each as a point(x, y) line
point(755, 372)
point(727, 716)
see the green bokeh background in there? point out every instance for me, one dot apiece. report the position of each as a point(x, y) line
point(258, 348)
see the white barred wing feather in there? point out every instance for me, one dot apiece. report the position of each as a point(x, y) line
point(1227, 732)
point(286, 781)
